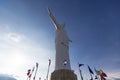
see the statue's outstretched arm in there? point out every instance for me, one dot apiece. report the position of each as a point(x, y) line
point(53, 19)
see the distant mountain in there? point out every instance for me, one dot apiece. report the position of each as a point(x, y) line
point(116, 78)
point(113, 78)
point(6, 77)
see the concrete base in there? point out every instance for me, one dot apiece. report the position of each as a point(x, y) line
point(63, 74)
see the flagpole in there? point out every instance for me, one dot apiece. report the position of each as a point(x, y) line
point(80, 72)
point(35, 74)
point(35, 71)
point(97, 76)
point(47, 72)
point(48, 69)
point(91, 76)
point(27, 78)
point(39, 78)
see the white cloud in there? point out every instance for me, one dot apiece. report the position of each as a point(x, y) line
point(14, 37)
point(9, 36)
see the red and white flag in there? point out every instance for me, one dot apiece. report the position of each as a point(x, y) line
point(29, 73)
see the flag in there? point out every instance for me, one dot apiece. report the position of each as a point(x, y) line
point(28, 72)
point(37, 65)
point(30, 75)
point(90, 70)
point(102, 74)
point(49, 62)
point(100, 71)
point(80, 65)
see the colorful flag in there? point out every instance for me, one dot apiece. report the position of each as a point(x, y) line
point(30, 75)
point(49, 62)
point(80, 65)
point(90, 70)
point(102, 74)
point(100, 71)
point(28, 72)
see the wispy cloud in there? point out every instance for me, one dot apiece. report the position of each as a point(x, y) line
point(7, 36)
point(14, 37)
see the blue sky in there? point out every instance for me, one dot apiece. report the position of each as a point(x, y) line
point(27, 35)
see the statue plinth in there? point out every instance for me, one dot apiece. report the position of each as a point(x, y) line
point(63, 74)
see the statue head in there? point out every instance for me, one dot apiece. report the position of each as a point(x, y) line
point(62, 26)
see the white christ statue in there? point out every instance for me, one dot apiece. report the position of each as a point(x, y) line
point(61, 45)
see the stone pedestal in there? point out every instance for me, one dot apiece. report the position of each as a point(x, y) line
point(63, 74)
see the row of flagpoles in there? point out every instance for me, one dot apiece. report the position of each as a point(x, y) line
point(99, 74)
point(30, 72)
